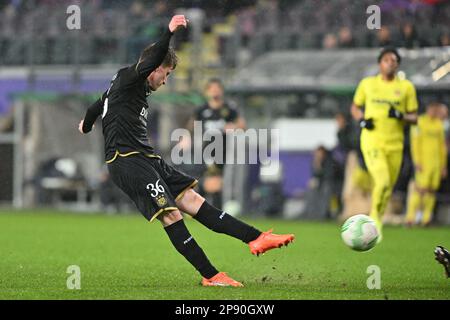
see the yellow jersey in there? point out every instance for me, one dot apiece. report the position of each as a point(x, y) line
point(428, 147)
point(377, 95)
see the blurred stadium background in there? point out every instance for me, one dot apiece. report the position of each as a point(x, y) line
point(291, 65)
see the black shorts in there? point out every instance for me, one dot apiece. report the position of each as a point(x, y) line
point(150, 182)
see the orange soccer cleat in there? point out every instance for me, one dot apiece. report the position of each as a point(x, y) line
point(221, 280)
point(268, 240)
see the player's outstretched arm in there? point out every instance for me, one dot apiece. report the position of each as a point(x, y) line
point(159, 49)
point(92, 113)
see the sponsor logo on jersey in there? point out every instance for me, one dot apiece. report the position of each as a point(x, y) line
point(388, 102)
point(144, 112)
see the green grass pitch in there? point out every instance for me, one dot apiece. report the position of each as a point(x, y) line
point(125, 257)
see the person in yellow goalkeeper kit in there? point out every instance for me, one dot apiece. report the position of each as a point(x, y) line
point(429, 154)
point(389, 102)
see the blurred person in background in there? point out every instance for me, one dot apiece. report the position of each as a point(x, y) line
point(409, 37)
point(216, 114)
point(347, 141)
point(329, 41)
point(445, 185)
point(384, 37)
point(429, 155)
point(346, 134)
point(389, 103)
point(346, 38)
point(444, 39)
point(321, 186)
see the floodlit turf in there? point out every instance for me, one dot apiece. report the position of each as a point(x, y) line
point(125, 257)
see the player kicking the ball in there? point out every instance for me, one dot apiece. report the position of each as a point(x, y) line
point(159, 190)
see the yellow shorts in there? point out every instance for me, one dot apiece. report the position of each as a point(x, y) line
point(384, 166)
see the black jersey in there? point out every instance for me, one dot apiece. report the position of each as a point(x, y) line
point(124, 107)
point(216, 118)
point(124, 116)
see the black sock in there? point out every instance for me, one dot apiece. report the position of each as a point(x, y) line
point(221, 222)
point(188, 247)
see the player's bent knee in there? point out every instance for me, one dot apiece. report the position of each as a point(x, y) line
point(190, 202)
point(170, 217)
point(196, 198)
point(191, 195)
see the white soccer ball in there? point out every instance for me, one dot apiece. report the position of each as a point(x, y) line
point(360, 232)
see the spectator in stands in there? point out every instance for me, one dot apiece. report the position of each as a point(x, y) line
point(106, 21)
point(152, 23)
point(383, 37)
point(137, 10)
point(268, 16)
point(161, 9)
point(346, 38)
point(246, 22)
point(409, 37)
point(444, 39)
point(329, 41)
point(8, 20)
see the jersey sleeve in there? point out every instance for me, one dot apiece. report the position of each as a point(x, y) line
point(360, 95)
point(411, 98)
point(93, 112)
point(142, 69)
point(158, 53)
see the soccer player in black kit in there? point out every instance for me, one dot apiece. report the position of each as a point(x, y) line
point(159, 190)
point(216, 114)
